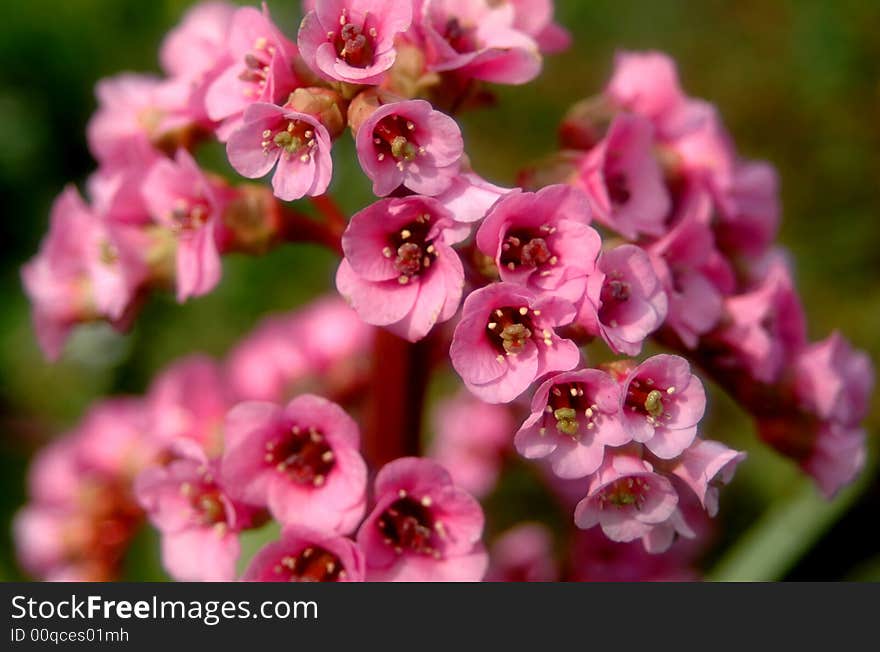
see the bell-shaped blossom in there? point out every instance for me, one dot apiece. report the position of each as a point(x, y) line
point(627, 499)
point(305, 555)
point(535, 18)
point(301, 461)
point(88, 268)
point(198, 520)
point(187, 402)
point(296, 144)
point(624, 301)
point(353, 40)
point(469, 197)
point(136, 113)
point(506, 340)
point(624, 181)
point(477, 40)
point(838, 455)
point(409, 143)
point(542, 240)
point(684, 260)
point(661, 404)
point(523, 554)
point(399, 269)
point(471, 439)
point(750, 209)
point(195, 50)
point(834, 381)
point(423, 528)
point(647, 83)
point(182, 198)
point(705, 466)
point(764, 327)
point(575, 415)
point(258, 66)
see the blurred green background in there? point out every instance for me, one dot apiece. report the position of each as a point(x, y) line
point(796, 82)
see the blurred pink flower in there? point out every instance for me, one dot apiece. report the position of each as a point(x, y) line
point(523, 554)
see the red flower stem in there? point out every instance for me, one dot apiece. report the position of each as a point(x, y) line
point(397, 395)
point(297, 227)
point(331, 212)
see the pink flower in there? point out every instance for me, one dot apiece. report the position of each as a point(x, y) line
point(535, 18)
point(764, 327)
point(705, 152)
point(684, 260)
point(134, 112)
point(258, 68)
point(627, 500)
point(575, 415)
point(647, 83)
point(180, 197)
point(188, 401)
point(749, 210)
point(469, 197)
point(423, 528)
point(301, 461)
point(523, 554)
point(353, 40)
point(412, 144)
point(661, 404)
point(297, 142)
point(471, 439)
point(477, 40)
point(838, 455)
point(506, 340)
point(303, 555)
point(198, 521)
point(88, 268)
point(399, 269)
point(195, 51)
point(834, 381)
point(197, 43)
point(704, 467)
point(542, 240)
point(624, 301)
point(624, 180)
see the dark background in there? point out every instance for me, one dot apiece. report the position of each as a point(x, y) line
point(797, 84)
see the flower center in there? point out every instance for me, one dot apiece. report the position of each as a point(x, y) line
point(644, 397)
point(569, 409)
point(394, 137)
point(510, 329)
point(352, 45)
point(206, 501)
point(408, 524)
point(296, 138)
point(524, 247)
point(257, 63)
point(625, 492)
point(189, 214)
point(312, 564)
point(615, 292)
point(302, 455)
point(411, 250)
point(618, 188)
point(462, 38)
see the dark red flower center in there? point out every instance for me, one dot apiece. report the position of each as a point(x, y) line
point(394, 137)
point(408, 524)
point(614, 294)
point(527, 248)
point(189, 214)
point(509, 329)
point(644, 396)
point(461, 38)
point(302, 455)
point(618, 188)
point(570, 409)
point(354, 45)
point(411, 250)
point(625, 492)
point(312, 564)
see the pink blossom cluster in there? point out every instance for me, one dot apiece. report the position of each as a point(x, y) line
point(646, 228)
point(207, 454)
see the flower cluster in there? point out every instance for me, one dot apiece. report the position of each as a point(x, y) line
point(646, 228)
